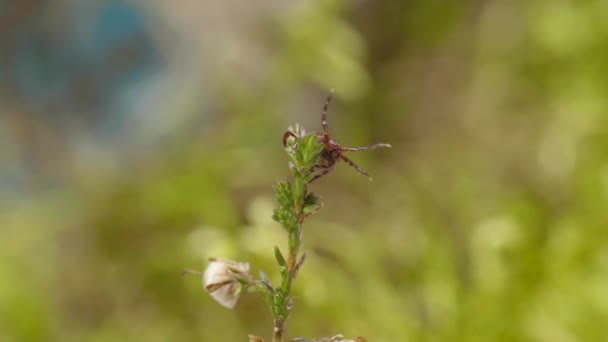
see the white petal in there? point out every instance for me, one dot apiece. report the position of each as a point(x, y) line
point(227, 295)
point(242, 267)
point(220, 281)
point(216, 273)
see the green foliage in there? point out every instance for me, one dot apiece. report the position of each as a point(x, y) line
point(304, 154)
point(285, 214)
point(294, 207)
point(279, 257)
point(491, 228)
point(312, 203)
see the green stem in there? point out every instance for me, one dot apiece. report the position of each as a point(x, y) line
point(295, 240)
point(295, 206)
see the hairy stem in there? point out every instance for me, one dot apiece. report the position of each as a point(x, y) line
point(294, 248)
point(296, 204)
point(295, 240)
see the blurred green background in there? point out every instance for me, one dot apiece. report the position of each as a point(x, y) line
point(138, 138)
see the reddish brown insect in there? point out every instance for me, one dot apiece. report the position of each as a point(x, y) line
point(333, 151)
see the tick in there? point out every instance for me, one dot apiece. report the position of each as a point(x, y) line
point(332, 151)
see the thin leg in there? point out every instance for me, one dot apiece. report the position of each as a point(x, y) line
point(364, 148)
point(196, 273)
point(325, 107)
point(325, 171)
point(287, 135)
point(354, 166)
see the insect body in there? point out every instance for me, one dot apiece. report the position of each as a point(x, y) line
point(332, 151)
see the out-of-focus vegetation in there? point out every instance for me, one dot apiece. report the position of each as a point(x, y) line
point(141, 137)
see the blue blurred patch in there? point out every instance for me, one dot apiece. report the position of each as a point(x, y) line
point(78, 59)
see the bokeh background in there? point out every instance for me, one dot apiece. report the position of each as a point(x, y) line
point(138, 138)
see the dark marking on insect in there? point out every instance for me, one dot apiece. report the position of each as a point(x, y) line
point(333, 151)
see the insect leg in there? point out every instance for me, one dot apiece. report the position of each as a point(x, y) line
point(354, 166)
point(325, 107)
point(287, 135)
point(326, 169)
point(364, 148)
point(196, 273)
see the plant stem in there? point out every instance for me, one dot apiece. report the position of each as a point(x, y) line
point(279, 329)
point(292, 258)
point(292, 261)
point(295, 205)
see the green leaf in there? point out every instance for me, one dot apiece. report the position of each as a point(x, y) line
point(308, 152)
point(283, 192)
point(286, 218)
point(279, 257)
point(311, 204)
point(312, 199)
point(278, 307)
point(283, 270)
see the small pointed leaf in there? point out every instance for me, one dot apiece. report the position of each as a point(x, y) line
point(279, 257)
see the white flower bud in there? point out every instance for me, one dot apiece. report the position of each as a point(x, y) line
point(221, 280)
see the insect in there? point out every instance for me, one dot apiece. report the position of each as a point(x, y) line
point(332, 151)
